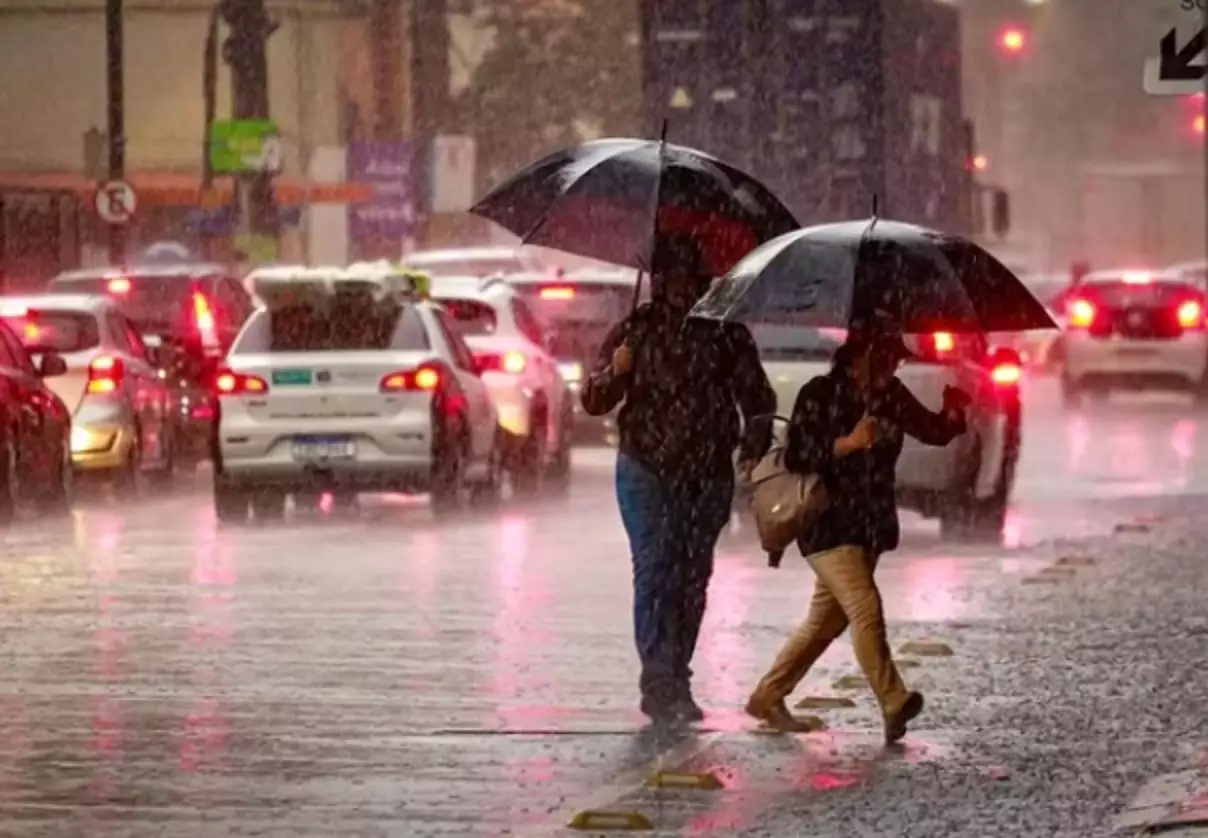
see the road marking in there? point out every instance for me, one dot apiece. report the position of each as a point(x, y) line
point(625, 784)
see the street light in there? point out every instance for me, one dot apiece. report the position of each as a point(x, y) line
point(1012, 40)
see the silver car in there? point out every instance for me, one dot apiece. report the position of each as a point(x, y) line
point(348, 395)
point(966, 484)
point(123, 425)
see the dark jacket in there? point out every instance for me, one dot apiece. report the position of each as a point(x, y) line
point(863, 507)
point(682, 397)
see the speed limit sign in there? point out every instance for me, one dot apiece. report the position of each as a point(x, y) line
point(116, 202)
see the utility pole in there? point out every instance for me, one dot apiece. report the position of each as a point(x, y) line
point(246, 52)
point(116, 95)
point(209, 94)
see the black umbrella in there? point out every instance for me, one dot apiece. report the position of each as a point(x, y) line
point(606, 198)
point(839, 274)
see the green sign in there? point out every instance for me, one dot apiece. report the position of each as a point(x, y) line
point(245, 146)
point(260, 250)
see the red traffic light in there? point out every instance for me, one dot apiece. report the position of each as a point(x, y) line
point(1012, 40)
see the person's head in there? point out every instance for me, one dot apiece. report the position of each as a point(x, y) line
point(872, 353)
point(678, 271)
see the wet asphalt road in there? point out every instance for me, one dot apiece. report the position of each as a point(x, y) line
point(391, 676)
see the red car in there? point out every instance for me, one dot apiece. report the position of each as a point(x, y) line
point(35, 432)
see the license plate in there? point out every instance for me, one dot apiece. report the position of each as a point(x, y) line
point(312, 449)
point(286, 378)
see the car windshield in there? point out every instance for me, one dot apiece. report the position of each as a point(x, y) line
point(154, 304)
point(346, 327)
point(471, 318)
point(1121, 294)
point(56, 331)
point(795, 343)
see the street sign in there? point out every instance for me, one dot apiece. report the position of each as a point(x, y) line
point(245, 146)
point(1175, 71)
point(115, 202)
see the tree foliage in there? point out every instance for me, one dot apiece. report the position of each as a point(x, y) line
point(559, 72)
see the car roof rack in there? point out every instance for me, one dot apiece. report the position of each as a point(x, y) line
point(299, 285)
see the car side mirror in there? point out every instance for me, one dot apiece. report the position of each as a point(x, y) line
point(52, 365)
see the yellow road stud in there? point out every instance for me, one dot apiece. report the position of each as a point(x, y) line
point(825, 702)
point(620, 821)
point(926, 649)
point(1039, 580)
point(1132, 526)
point(1075, 561)
point(850, 682)
point(1058, 570)
point(684, 780)
point(907, 663)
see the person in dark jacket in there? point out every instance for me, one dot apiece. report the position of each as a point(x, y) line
point(683, 383)
point(847, 427)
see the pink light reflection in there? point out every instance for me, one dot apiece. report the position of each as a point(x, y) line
point(929, 592)
point(723, 654)
point(732, 813)
point(1182, 440)
point(203, 742)
point(1079, 435)
point(214, 575)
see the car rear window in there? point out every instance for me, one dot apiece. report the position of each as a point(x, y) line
point(791, 343)
point(346, 327)
point(576, 316)
point(56, 331)
point(1118, 293)
point(467, 267)
point(471, 318)
point(154, 304)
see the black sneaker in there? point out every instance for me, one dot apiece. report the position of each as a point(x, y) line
point(688, 709)
point(664, 711)
point(895, 723)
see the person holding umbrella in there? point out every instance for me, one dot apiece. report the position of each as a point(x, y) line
point(683, 384)
point(847, 427)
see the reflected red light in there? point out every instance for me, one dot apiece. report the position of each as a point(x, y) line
point(1197, 125)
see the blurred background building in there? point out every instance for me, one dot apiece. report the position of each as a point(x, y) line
point(394, 114)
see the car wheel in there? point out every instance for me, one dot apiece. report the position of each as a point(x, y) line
point(486, 492)
point(968, 517)
point(529, 471)
point(230, 503)
point(560, 467)
point(129, 477)
point(165, 474)
point(448, 473)
point(58, 496)
point(1071, 393)
point(268, 504)
point(9, 480)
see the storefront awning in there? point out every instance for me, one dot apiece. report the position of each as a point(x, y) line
point(183, 189)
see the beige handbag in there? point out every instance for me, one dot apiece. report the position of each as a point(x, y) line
point(784, 503)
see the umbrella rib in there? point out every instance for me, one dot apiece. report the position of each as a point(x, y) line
point(536, 228)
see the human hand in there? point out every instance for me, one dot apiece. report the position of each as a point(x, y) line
point(864, 434)
point(622, 359)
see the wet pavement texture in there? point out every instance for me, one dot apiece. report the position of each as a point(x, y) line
point(388, 675)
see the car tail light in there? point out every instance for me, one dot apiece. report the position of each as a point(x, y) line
point(231, 383)
point(558, 292)
point(104, 375)
point(943, 342)
point(32, 332)
point(119, 286)
point(203, 318)
point(509, 362)
point(1191, 315)
point(1081, 313)
point(424, 379)
point(1006, 374)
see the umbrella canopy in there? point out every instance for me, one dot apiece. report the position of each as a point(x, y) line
point(605, 199)
point(834, 275)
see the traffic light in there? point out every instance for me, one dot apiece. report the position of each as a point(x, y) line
point(1012, 40)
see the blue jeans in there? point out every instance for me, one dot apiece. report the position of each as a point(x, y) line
point(672, 533)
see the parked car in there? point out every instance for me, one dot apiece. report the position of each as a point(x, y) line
point(121, 405)
point(966, 484)
point(472, 261)
point(535, 405)
point(35, 432)
point(194, 311)
point(1135, 329)
point(345, 383)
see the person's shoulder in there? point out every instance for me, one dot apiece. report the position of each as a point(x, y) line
point(818, 387)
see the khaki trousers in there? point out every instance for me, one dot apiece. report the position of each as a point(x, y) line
point(844, 594)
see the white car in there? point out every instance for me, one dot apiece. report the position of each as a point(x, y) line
point(1134, 329)
point(966, 484)
point(346, 384)
point(534, 403)
point(472, 261)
